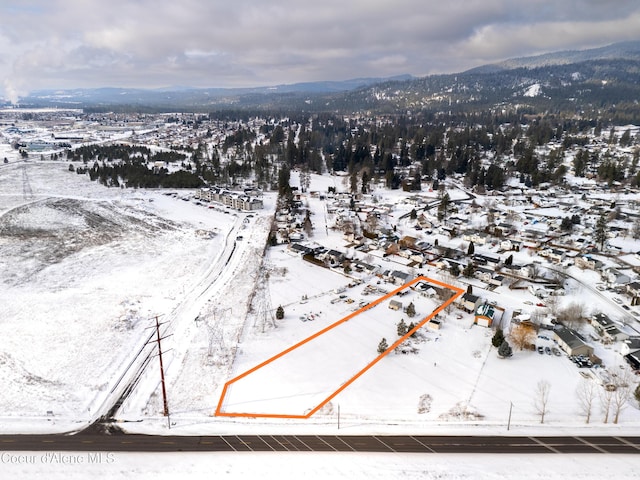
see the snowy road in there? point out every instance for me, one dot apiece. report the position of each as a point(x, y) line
point(324, 443)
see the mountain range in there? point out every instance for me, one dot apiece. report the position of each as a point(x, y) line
point(586, 80)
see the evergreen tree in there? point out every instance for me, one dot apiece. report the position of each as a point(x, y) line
point(600, 234)
point(402, 328)
point(411, 310)
point(413, 215)
point(284, 175)
point(566, 224)
point(498, 338)
point(383, 346)
point(280, 313)
point(443, 208)
point(308, 226)
point(471, 249)
point(504, 350)
point(454, 269)
point(411, 327)
point(365, 182)
point(468, 270)
point(354, 183)
point(509, 260)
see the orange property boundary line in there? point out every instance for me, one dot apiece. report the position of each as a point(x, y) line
point(458, 292)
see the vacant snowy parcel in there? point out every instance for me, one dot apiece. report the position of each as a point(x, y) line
point(299, 381)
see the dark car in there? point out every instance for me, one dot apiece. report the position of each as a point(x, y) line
point(540, 350)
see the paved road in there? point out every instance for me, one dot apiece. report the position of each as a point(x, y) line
point(319, 443)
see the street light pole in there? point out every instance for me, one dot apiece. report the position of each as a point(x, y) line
point(509, 421)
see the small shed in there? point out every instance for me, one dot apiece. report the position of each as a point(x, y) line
point(395, 305)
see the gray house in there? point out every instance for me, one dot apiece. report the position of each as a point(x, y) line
point(571, 342)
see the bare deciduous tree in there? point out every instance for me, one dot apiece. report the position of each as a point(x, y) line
point(541, 399)
point(552, 304)
point(522, 336)
point(586, 393)
point(444, 294)
point(622, 393)
point(606, 397)
point(572, 315)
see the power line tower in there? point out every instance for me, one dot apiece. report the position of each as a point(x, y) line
point(262, 300)
point(215, 331)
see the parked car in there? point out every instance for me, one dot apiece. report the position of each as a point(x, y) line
point(547, 350)
point(541, 350)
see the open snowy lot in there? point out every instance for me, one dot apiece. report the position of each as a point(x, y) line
point(84, 270)
point(455, 377)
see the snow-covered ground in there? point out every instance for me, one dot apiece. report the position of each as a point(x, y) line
point(294, 465)
point(85, 269)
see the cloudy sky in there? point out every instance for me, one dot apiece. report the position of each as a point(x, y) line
point(223, 43)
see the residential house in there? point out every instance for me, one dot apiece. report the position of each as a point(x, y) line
point(509, 245)
point(334, 257)
point(399, 277)
point(552, 254)
point(299, 249)
point(585, 261)
point(478, 238)
point(469, 302)
point(483, 274)
point(633, 289)
point(630, 345)
point(424, 222)
point(633, 359)
point(408, 242)
point(614, 277)
point(486, 258)
point(571, 342)
point(607, 329)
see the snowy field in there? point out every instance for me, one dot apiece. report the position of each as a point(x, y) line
point(85, 269)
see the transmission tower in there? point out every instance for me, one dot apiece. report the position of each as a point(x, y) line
point(262, 301)
point(216, 335)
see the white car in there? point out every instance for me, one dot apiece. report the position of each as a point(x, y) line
point(618, 300)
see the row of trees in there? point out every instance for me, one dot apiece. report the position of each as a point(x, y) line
point(136, 174)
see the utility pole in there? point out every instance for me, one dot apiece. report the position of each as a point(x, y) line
point(164, 389)
point(509, 421)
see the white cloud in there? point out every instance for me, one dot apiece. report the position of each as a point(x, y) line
point(70, 43)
